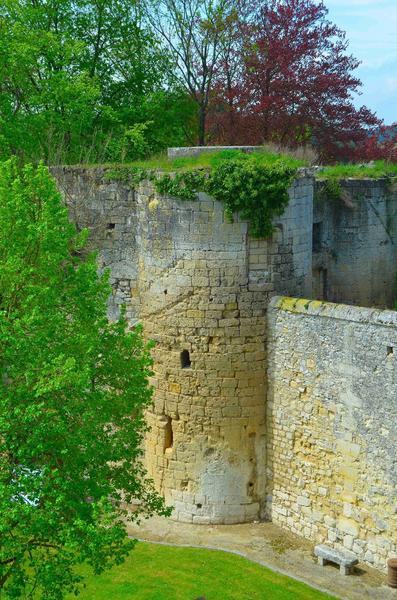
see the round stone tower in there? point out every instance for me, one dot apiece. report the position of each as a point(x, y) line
point(204, 286)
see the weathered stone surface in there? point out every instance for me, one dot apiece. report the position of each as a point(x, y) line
point(339, 557)
point(354, 244)
point(292, 417)
point(108, 210)
point(204, 289)
point(340, 464)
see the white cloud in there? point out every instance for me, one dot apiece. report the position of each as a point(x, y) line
point(391, 84)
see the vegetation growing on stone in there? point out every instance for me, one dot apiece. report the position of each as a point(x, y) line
point(258, 192)
point(331, 190)
point(253, 185)
point(331, 176)
point(375, 170)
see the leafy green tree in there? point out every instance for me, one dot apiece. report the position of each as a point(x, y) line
point(48, 102)
point(76, 76)
point(73, 389)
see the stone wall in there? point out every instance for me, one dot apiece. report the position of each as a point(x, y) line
point(316, 453)
point(355, 243)
point(108, 210)
point(332, 425)
point(204, 286)
point(353, 252)
point(201, 287)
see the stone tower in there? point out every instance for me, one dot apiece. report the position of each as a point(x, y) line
point(204, 286)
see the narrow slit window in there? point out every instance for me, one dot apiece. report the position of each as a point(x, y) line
point(390, 350)
point(317, 236)
point(168, 435)
point(185, 359)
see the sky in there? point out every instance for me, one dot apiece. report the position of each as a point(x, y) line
point(371, 28)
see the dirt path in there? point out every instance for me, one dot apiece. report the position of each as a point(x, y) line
point(272, 547)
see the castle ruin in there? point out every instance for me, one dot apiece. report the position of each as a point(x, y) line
point(271, 399)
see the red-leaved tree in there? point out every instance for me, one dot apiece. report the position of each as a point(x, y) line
point(382, 145)
point(287, 77)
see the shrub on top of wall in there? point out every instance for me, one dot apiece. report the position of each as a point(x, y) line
point(255, 191)
point(253, 185)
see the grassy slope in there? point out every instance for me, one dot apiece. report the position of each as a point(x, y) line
point(154, 572)
point(210, 160)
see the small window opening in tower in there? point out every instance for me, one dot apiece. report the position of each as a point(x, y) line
point(390, 350)
point(111, 226)
point(317, 236)
point(185, 359)
point(168, 435)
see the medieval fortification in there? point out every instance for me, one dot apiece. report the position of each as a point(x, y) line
point(275, 365)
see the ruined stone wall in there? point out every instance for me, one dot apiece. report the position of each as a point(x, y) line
point(204, 287)
point(355, 243)
point(332, 425)
point(200, 286)
point(353, 252)
point(219, 449)
point(108, 210)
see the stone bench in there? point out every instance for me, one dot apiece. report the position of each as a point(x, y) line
point(346, 560)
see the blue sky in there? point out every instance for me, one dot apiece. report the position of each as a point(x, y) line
point(371, 28)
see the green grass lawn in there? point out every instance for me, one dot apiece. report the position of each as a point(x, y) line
point(154, 572)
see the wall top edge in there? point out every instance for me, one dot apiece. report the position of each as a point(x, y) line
point(313, 173)
point(181, 151)
point(345, 312)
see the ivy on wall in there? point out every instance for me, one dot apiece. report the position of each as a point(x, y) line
point(254, 189)
point(257, 192)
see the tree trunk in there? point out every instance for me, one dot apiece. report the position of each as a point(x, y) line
point(201, 126)
point(232, 125)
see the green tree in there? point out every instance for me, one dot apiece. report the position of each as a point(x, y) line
point(76, 75)
point(73, 389)
point(195, 33)
point(48, 103)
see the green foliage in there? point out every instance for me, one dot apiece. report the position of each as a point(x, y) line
point(184, 186)
point(331, 190)
point(73, 389)
point(253, 185)
point(131, 143)
point(85, 81)
point(210, 160)
point(257, 192)
point(375, 170)
point(188, 573)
